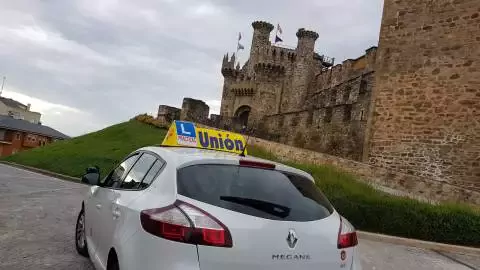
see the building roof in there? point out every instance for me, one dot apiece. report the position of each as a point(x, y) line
point(8, 122)
point(12, 103)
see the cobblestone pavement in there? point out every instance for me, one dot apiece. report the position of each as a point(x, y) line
point(38, 214)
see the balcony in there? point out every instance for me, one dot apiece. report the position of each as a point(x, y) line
point(326, 61)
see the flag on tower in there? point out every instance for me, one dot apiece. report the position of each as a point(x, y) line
point(239, 46)
point(277, 35)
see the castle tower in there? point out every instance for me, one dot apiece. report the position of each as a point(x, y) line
point(260, 40)
point(303, 71)
point(229, 74)
point(306, 43)
point(426, 117)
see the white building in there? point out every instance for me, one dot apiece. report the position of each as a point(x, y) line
point(18, 110)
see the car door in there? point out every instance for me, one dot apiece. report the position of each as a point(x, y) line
point(132, 187)
point(103, 201)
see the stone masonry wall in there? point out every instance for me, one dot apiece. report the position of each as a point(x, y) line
point(333, 121)
point(166, 114)
point(419, 187)
point(194, 110)
point(426, 119)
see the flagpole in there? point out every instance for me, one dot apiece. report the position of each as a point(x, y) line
point(3, 84)
point(276, 34)
point(239, 47)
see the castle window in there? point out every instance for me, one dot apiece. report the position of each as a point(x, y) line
point(362, 112)
point(346, 94)
point(310, 118)
point(281, 121)
point(328, 115)
point(333, 98)
point(347, 113)
point(320, 100)
point(293, 122)
point(363, 87)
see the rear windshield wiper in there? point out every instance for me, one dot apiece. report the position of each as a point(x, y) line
point(267, 207)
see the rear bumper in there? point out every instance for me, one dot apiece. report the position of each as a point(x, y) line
point(147, 252)
point(356, 265)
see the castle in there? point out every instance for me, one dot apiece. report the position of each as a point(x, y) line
point(296, 96)
point(412, 105)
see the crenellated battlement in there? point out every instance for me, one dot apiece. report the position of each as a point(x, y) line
point(276, 55)
point(243, 85)
point(350, 68)
point(269, 69)
point(302, 33)
point(228, 66)
point(262, 25)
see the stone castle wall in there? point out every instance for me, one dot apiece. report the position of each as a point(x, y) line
point(334, 122)
point(415, 186)
point(167, 114)
point(426, 119)
point(194, 110)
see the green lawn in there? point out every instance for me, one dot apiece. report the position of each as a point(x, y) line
point(367, 208)
point(103, 148)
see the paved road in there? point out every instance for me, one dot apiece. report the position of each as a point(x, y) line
point(38, 214)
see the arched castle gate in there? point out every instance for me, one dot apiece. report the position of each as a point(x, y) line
point(242, 114)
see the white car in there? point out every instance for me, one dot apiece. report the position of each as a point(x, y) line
point(177, 208)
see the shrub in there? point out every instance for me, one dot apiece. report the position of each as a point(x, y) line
point(148, 119)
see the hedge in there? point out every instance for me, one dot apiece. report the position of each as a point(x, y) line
point(376, 211)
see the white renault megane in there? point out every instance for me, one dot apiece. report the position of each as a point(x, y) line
point(192, 209)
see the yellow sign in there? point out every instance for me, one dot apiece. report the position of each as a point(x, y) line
point(187, 134)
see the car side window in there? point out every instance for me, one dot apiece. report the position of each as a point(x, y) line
point(137, 173)
point(152, 173)
point(114, 179)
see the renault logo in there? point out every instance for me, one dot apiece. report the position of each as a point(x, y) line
point(292, 239)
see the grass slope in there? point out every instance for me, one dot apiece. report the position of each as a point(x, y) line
point(367, 208)
point(104, 148)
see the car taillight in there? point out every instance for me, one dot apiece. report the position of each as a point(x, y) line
point(347, 236)
point(183, 222)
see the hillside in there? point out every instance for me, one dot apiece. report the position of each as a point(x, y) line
point(103, 148)
point(367, 208)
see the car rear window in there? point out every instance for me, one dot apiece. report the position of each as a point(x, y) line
point(268, 194)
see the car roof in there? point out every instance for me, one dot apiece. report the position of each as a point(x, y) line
point(190, 155)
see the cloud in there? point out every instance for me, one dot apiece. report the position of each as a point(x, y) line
point(112, 59)
point(214, 106)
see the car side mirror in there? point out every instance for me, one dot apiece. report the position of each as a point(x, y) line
point(92, 176)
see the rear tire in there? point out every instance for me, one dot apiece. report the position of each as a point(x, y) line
point(113, 262)
point(80, 236)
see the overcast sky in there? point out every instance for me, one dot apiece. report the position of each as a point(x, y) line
point(86, 64)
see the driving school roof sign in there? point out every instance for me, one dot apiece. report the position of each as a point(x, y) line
point(187, 134)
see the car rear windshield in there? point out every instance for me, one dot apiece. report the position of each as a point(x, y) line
point(268, 194)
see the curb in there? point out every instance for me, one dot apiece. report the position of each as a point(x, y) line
point(44, 172)
point(417, 243)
